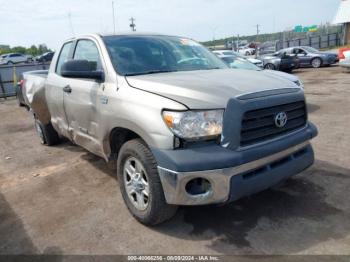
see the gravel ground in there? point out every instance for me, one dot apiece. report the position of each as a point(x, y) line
point(64, 200)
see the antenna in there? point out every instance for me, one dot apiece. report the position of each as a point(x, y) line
point(71, 24)
point(133, 25)
point(113, 17)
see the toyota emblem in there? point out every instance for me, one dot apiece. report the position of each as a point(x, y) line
point(281, 119)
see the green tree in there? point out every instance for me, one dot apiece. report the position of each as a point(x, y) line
point(33, 50)
point(18, 49)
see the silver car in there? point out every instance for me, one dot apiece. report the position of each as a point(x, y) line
point(309, 56)
point(15, 58)
point(179, 125)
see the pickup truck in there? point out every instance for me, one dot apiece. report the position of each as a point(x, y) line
point(179, 126)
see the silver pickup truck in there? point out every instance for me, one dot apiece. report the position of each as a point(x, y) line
point(180, 127)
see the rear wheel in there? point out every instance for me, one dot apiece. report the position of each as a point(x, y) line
point(270, 66)
point(9, 63)
point(140, 184)
point(316, 62)
point(47, 134)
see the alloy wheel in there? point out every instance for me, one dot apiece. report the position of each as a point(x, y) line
point(136, 183)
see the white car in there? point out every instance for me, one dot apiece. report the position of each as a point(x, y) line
point(223, 53)
point(15, 58)
point(247, 51)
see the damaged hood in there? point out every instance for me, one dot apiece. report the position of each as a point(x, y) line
point(207, 89)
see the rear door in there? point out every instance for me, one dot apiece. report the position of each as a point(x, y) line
point(55, 84)
point(80, 104)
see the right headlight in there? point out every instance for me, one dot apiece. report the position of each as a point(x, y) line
point(194, 125)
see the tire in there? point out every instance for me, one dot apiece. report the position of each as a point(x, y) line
point(9, 63)
point(316, 62)
point(247, 53)
point(135, 156)
point(47, 134)
point(270, 66)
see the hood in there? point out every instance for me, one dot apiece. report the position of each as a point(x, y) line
point(279, 74)
point(207, 89)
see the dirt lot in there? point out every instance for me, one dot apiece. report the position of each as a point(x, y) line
point(64, 200)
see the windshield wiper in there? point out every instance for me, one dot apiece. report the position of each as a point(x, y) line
point(150, 72)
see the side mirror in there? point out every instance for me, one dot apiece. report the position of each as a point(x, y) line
point(81, 69)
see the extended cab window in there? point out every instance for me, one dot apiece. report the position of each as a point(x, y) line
point(87, 50)
point(64, 55)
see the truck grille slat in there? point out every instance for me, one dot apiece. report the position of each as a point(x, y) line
point(272, 110)
point(259, 125)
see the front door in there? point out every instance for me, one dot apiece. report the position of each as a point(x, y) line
point(304, 59)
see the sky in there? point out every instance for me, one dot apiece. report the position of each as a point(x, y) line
point(27, 22)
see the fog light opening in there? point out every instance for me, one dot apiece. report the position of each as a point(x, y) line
point(198, 186)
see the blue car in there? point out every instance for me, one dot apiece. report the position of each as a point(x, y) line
point(309, 56)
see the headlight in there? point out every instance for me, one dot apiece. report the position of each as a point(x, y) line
point(194, 124)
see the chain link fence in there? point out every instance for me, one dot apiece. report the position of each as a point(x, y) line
point(10, 75)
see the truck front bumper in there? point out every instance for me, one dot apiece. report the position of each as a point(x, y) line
point(255, 169)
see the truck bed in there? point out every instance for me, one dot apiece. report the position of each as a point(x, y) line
point(34, 94)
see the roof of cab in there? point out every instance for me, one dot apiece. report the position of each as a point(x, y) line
point(127, 33)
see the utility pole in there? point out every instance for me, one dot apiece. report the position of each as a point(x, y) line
point(113, 17)
point(132, 24)
point(257, 32)
point(257, 39)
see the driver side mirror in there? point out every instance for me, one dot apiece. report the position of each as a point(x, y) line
point(81, 69)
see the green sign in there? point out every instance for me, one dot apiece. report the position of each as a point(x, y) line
point(305, 29)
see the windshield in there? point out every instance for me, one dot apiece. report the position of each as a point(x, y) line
point(310, 49)
point(137, 55)
point(240, 63)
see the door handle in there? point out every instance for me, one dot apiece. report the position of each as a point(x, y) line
point(67, 89)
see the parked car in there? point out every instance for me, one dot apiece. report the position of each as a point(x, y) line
point(309, 56)
point(280, 61)
point(241, 63)
point(46, 57)
point(223, 53)
point(181, 126)
point(268, 47)
point(15, 58)
point(247, 51)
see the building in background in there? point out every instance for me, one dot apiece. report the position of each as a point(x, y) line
point(343, 17)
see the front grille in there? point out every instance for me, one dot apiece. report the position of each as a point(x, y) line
point(259, 125)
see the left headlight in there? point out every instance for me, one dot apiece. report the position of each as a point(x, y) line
point(194, 125)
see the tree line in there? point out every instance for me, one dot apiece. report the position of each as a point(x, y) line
point(33, 50)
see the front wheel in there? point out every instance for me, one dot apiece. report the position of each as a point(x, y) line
point(140, 184)
point(316, 62)
point(270, 66)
